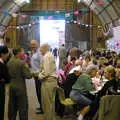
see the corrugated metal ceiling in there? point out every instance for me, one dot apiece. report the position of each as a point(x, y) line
point(10, 6)
point(107, 10)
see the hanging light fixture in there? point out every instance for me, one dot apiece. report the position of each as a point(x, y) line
point(22, 1)
point(27, 1)
point(79, 1)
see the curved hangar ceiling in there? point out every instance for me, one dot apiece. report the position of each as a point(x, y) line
point(107, 10)
point(11, 6)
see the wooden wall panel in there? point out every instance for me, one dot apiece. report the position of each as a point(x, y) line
point(11, 34)
point(49, 5)
point(61, 5)
point(15, 36)
point(96, 33)
point(73, 30)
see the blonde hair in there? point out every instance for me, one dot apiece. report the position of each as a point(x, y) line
point(111, 70)
point(102, 60)
point(117, 69)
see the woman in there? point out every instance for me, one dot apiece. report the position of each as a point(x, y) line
point(48, 78)
point(4, 78)
point(109, 88)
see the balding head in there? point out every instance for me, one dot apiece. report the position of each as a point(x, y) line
point(78, 62)
point(34, 45)
point(44, 48)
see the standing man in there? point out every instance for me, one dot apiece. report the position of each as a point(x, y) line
point(18, 101)
point(36, 59)
point(48, 78)
point(4, 78)
point(55, 52)
point(62, 57)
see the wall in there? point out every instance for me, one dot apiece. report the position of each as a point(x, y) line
point(49, 5)
point(11, 34)
point(74, 33)
point(97, 39)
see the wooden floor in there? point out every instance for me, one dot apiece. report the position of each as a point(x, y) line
point(33, 103)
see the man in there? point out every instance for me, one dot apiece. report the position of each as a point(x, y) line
point(67, 86)
point(81, 89)
point(62, 57)
point(70, 80)
point(69, 66)
point(55, 53)
point(48, 78)
point(4, 78)
point(18, 101)
point(35, 61)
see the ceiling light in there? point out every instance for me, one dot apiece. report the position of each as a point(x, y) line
point(22, 1)
point(27, 1)
point(79, 1)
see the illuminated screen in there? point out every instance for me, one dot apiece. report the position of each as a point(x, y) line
point(52, 32)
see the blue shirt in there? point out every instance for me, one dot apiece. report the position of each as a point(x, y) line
point(36, 61)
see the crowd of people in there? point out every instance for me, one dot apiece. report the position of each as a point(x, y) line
point(79, 74)
point(15, 68)
point(88, 71)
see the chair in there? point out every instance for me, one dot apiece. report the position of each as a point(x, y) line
point(109, 108)
point(61, 95)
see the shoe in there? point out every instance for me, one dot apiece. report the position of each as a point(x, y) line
point(39, 112)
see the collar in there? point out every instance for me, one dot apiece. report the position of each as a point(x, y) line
point(1, 60)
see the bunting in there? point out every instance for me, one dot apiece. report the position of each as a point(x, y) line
point(49, 15)
point(67, 14)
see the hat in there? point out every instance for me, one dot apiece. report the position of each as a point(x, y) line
point(77, 68)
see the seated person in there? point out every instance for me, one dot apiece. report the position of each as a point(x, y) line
point(117, 73)
point(69, 65)
point(86, 62)
point(67, 86)
point(70, 80)
point(109, 88)
point(77, 63)
point(82, 87)
point(118, 77)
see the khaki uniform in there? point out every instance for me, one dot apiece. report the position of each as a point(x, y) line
point(48, 77)
point(18, 101)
